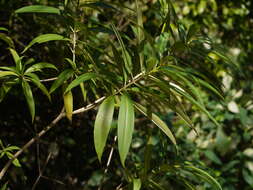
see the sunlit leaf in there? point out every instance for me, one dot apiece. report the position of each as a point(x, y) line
point(39, 66)
point(103, 124)
point(136, 184)
point(68, 104)
point(7, 73)
point(125, 127)
point(38, 9)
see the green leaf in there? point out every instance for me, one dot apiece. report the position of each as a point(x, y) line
point(38, 9)
point(16, 58)
point(125, 126)
point(82, 78)
point(37, 82)
point(29, 98)
point(205, 176)
point(4, 29)
point(213, 157)
point(39, 66)
point(5, 88)
point(16, 163)
point(65, 75)
point(44, 38)
point(125, 54)
point(72, 64)
point(103, 124)
point(158, 122)
point(7, 73)
point(7, 39)
point(4, 187)
point(136, 184)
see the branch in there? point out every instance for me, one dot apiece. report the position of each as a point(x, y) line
point(59, 117)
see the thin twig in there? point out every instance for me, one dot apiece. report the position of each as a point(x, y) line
point(58, 118)
point(108, 163)
point(48, 80)
point(41, 171)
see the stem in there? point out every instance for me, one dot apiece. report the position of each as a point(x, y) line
point(59, 117)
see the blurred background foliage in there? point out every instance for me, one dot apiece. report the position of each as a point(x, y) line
point(227, 150)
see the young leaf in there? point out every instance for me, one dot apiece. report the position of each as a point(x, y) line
point(44, 38)
point(103, 124)
point(39, 66)
point(38, 9)
point(125, 127)
point(82, 78)
point(158, 122)
point(68, 104)
point(65, 75)
point(29, 98)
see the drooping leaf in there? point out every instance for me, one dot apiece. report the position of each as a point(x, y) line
point(65, 75)
point(72, 64)
point(125, 127)
point(38, 9)
point(103, 124)
point(7, 73)
point(35, 80)
point(82, 78)
point(44, 38)
point(205, 176)
point(68, 104)
point(158, 122)
point(7, 39)
point(29, 98)
point(4, 89)
point(39, 66)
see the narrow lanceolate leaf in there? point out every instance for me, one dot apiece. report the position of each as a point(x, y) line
point(68, 104)
point(125, 127)
point(79, 80)
point(38, 9)
point(158, 122)
point(103, 124)
point(37, 82)
point(65, 75)
point(39, 66)
point(7, 39)
point(44, 38)
point(29, 98)
point(125, 54)
point(7, 73)
point(16, 58)
point(205, 176)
